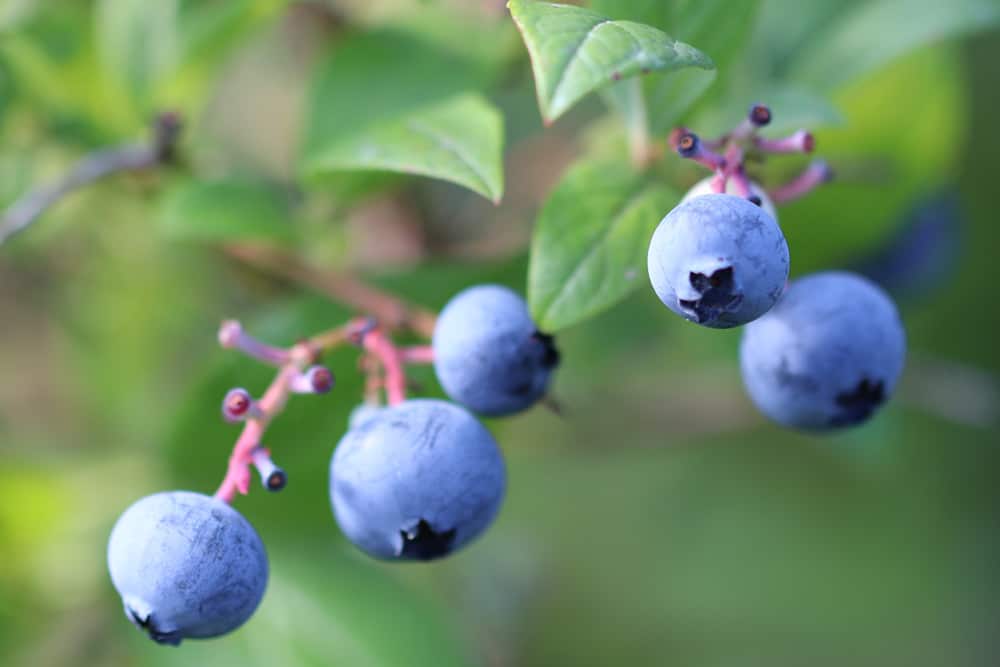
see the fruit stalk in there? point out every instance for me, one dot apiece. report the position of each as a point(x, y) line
point(94, 167)
point(390, 311)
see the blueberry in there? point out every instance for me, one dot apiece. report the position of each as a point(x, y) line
point(489, 355)
point(704, 187)
point(361, 413)
point(186, 566)
point(416, 481)
point(827, 355)
point(718, 260)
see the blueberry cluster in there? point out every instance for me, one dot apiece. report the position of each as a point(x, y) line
point(418, 479)
point(421, 479)
point(415, 480)
point(822, 353)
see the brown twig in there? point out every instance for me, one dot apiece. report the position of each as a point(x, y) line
point(91, 168)
point(391, 312)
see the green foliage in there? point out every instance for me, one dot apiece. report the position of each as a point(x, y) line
point(459, 139)
point(575, 52)
point(858, 43)
point(149, 50)
point(228, 210)
point(380, 102)
point(719, 28)
point(660, 499)
point(590, 242)
point(325, 607)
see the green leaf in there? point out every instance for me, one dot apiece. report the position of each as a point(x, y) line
point(720, 28)
point(872, 34)
point(458, 140)
point(590, 242)
point(575, 51)
point(54, 65)
point(226, 211)
point(886, 158)
point(138, 41)
point(388, 100)
point(165, 53)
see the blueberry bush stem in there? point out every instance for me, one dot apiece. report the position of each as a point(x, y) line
point(383, 362)
point(817, 173)
point(391, 312)
point(295, 368)
point(378, 344)
point(238, 473)
point(418, 354)
point(93, 167)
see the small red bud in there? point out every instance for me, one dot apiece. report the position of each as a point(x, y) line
point(760, 115)
point(237, 405)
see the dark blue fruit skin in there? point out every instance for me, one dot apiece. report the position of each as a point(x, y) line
point(187, 566)
point(416, 481)
point(827, 356)
point(718, 260)
point(921, 256)
point(489, 355)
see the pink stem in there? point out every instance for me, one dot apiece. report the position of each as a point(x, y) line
point(688, 145)
point(719, 181)
point(741, 185)
point(800, 142)
point(816, 174)
point(379, 345)
point(238, 474)
point(232, 336)
point(418, 354)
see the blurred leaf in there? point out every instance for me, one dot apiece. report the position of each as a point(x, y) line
point(923, 252)
point(15, 12)
point(226, 211)
point(575, 51)
point(458, 140)
point(138, 41)
point(207, 34)
point(884, 157)
point(55, 67)
point(206, 29)
point(164, 53)
point(353, 124)
point(786, 27)
point(874, 33)
point(590, 242)
point(792, 106)
point(324, 606)
point(464, 31)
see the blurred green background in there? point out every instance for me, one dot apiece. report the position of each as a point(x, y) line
point(661, 520)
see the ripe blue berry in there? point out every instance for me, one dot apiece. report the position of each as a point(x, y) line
point(718, 260)
point(362, 413)
point(489, 355)
point(827, 355)
point(416, 481)
point(186, 566)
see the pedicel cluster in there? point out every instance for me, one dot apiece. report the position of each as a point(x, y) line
point(411, 480)
point(821, 353)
